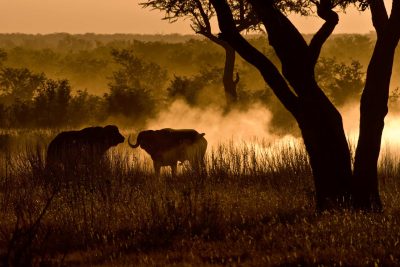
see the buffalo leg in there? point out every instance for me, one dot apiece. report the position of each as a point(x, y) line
point(198, 164)
point(157, 167)
point(203, 166)
point(173, 169)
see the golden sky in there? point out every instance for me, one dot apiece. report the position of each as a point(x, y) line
point(123, 16)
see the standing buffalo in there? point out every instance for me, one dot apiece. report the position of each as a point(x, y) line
point(76, 148)
point(168, 146)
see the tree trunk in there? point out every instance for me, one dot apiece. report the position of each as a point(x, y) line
point(320, 122)
point(373, 110)
point(322, 130)
point(227, 79)
point(229, 83)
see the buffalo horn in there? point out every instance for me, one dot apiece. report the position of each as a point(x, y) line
point(131, 145)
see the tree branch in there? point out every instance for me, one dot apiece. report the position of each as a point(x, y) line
point(379, 15)
point(395, 13)
point(213, 38)
point(324, 11)
point(270, 73)
point(393, 27)
point(203, 14)
point(247, 22)
point(288, 43)
point(245, 16)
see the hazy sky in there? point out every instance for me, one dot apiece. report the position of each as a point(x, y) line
point(122, 16)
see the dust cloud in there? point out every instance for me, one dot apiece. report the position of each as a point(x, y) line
point(391, 132)
point(237, 126)
point(252, 125)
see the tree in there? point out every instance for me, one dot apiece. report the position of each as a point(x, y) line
point(135, 72)
point(319, 121)
point(20, 114)
point(133, 85)
point(50, 105)
point(190, 88)
point(85, 108)
point(341, 82)
point(200, 13)
point(19, 84)
point(374, 102)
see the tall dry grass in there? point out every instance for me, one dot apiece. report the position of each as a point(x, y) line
point(255, 206)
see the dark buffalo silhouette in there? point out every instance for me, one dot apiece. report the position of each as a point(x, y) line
point(168, 146)
point(71, 149)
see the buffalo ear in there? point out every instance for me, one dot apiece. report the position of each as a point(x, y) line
point(139, 139)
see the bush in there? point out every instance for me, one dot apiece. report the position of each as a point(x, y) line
point(190, 89)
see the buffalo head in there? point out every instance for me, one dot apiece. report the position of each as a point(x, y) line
point(112, 135)
point(144, 140)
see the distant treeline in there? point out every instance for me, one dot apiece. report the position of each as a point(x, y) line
point(40, 41)
point(60, 80)
point(86, 60)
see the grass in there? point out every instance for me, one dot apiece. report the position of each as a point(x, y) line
point(255, 207)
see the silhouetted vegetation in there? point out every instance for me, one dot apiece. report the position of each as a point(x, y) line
point(19, 84)
point(89, 66)
point(131, 80)
point(198, 90)
point(255, 206)
point(200, 15)
point(135, 88)
point(342, 83)
point(32, 100)
point(45, 103)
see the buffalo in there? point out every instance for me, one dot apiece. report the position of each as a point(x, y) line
point(168, 146)
point(72, 149)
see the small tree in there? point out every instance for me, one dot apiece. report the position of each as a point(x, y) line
point(20, 114)
point(19, 84)
point(135, 72)
point(190, 88)
point(85, 108)
point(50, 105)
point(342, 83)
point(132, 87)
